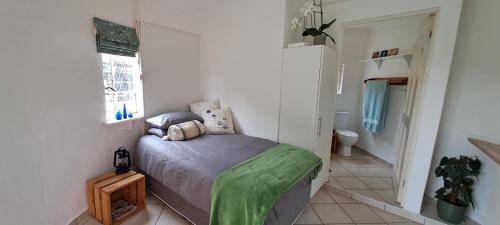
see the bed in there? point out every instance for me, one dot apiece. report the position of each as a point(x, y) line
point(181, 173)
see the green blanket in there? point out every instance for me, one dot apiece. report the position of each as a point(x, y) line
point(244, 194)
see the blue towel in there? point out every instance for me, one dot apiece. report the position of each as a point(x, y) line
point(375, 105)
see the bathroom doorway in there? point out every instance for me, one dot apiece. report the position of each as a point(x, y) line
point(368, 161)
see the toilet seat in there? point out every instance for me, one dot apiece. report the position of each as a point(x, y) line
point(347, 133)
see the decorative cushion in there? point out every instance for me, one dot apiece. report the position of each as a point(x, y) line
point(164, 121)
point(201, 107)
point(158, 132)
point(185, 131)
point(219, 121)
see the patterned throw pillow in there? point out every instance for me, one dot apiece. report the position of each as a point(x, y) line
point(201, 107)
point(218, 121)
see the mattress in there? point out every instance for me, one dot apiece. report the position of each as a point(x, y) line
point(182, 173)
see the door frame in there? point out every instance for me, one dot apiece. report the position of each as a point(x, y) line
point(434, 80)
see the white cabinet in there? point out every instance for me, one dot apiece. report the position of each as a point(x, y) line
point(308, 91)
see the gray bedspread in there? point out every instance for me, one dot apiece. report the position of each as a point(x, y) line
point(182, 173)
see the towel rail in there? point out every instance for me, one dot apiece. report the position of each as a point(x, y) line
point(392, 80)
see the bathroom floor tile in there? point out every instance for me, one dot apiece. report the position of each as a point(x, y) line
point(375, 183)
point(359, 172)
point(381, 172)
point(351, 183)
point(340, 172)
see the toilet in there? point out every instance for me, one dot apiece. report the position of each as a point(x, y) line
point(346, 137)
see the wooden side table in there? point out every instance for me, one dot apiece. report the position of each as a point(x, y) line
point(114, 198)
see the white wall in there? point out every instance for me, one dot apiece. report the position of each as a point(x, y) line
point(241, 44)
point(53, 134)
point(471, 106)
point(356, 40)
point(171, 60)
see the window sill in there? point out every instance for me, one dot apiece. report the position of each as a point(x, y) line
point(115, 122)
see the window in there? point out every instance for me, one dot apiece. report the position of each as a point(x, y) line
point(340, 80)
point(122, 86)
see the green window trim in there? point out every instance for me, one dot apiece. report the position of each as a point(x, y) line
point(115, 39)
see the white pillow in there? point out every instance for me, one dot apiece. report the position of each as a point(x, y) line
point(201, 108)
point(218, 121)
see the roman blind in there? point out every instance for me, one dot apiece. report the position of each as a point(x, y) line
point(115, 39)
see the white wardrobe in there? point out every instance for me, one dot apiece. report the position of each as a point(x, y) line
point(308, 91)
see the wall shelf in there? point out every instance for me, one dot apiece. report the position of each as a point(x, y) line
point(379, 61)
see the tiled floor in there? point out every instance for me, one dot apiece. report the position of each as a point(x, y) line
point(332, 208)
point(325, 208)
point(363, 174)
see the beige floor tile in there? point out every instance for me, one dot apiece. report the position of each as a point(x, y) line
point(331, 213)
point(388, 195)
point(371, 224)
point(351, 183)
point(340, 198)
point(405, 224)
point(360, 213)
point(333, 182)
point(352, 163)
point(388, 180)
point(389, 217)
point(368, 193)
point(373, 163)
point(359, 172)
point(340, 172)
point(334, 164)
point(322, 197)
point(147, 217)
point(381, 172)
point(169, 217)
point(375, 183)
point(308, 217)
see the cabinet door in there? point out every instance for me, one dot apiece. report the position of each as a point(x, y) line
point(299, 92)
point(325, 113)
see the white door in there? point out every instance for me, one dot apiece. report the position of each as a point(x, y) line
point(407, 129)
point(325, 111)
point(299, 91)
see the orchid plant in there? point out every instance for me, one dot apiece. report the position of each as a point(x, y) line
point(307, 18)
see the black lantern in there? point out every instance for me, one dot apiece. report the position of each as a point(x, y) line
point(122, 160)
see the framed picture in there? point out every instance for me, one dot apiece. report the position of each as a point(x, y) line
point(394, 51)
point(376, 55)
point(384, 53)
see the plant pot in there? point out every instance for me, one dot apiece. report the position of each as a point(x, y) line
point(315, 40)
point(450, 213)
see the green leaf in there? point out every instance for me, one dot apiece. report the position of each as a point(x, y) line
point(311, 32)
point(331, 38)
point(444, 161)
point(326, 26)
point(475, 165)
point(441, 190)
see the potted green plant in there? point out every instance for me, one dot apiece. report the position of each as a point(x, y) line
point(456, 195)
point(307, 23)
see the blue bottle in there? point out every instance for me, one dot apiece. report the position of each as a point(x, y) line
point(124, 112)
point(130, 115)
point(118, 115)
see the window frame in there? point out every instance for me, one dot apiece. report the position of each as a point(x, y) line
point(139, 96)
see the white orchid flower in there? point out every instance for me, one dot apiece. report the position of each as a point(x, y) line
point(296, 24)
point(308, 9)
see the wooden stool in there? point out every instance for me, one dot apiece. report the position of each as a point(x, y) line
point(110, 190)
